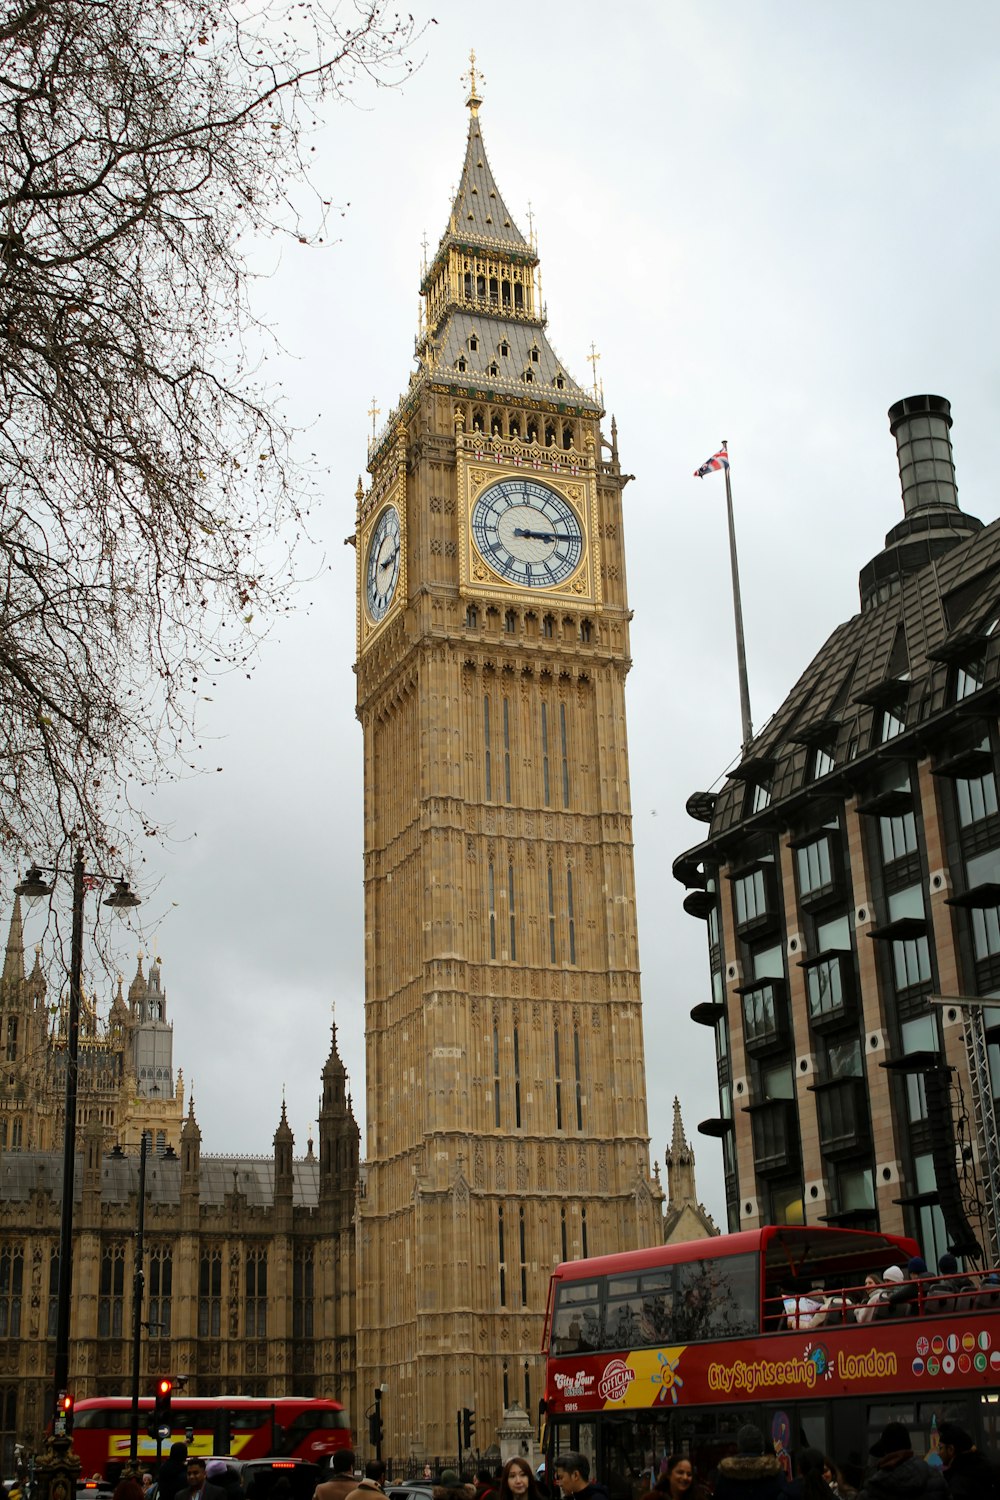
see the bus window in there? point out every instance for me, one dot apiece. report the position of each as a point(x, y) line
point(717, 1298)
point(637, 1310)
point(576, 1325)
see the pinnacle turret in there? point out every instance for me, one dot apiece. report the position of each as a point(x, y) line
point(13, 964)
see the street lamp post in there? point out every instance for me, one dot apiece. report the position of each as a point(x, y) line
point(137, 1290)
point(33, 887)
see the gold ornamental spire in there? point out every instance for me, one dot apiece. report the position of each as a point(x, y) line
point(474, 100)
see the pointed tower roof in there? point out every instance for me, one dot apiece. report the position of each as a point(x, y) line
point(13, 964)
point(138, 985)
point(479, 212)
point(680, 1153)
point(284, 1130)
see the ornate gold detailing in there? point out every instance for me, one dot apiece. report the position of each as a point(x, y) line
point(472, 77)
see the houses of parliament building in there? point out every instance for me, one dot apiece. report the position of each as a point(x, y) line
point(505, 1072)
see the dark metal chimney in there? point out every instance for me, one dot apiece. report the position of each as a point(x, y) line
point(932, 523)
point(921, 426)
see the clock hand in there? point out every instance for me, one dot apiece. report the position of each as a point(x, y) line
point(388, 562)
point(545, 536)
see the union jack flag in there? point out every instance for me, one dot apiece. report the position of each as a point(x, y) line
point(718, 460)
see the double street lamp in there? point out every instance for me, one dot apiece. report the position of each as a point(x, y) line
point(34, 887)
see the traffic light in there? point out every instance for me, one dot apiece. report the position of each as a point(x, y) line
point(375, 1428)
point(468, 1425)
point(64, 1413)
point(161, 1409)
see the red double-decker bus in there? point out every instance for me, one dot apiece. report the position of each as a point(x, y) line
point(240, 1426)
point(674, 1349)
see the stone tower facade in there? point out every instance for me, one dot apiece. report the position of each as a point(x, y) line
point(685, 1218)
point(506, 1100)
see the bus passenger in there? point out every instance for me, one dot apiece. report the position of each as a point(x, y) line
point(898, 1473)
point(877, 1294)
point(750, 1473)
point(904, 1297)
point(951, 1295)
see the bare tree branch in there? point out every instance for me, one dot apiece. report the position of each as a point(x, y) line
point(144, 477)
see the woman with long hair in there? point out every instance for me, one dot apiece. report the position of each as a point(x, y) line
point(518, 1482)
point(810, 1484)
point(677, 1478)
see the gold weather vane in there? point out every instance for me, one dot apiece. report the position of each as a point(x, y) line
point(374, 411)
point(424, 245)
point(531, 225)
point(474, 100)
point(593, 357)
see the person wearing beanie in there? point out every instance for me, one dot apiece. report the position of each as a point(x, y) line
point(969, 1474)
point(898, 1474)
point(904, 1296)
point(749, 1473)
point(953, 1294)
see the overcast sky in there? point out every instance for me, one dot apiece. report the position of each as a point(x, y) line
point(773, 220)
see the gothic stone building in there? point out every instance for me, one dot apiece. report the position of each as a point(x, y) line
point(249, 1266)
point(506, 1089)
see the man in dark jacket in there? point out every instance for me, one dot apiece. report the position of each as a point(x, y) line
point(198, 1485)
point(750, 1473)
point(898, 1473)
point(969, 1473)
point(573, 1478)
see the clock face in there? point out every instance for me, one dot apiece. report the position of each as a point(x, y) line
point(527, 533)
point(382, 567)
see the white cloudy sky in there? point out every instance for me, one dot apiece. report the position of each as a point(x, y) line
point(773, 220)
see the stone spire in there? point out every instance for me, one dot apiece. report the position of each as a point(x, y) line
point(685, 1217)
point(13, 963)
point(284, 1142)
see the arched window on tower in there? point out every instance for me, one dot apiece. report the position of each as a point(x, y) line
point(471, 617)
point(494, 369)
point(473, 342)
point(567, 435)
point(518, 297)
point(515, 428)
point(510, 622)
point(494, 291)
point(559, 382)
point(460, 364)
point(481, 288)
point(496, 426)
point(550, 435)
point(504, 348)
point(468, 285)
point(529, 375)
point(531, 432)
point(505, 292)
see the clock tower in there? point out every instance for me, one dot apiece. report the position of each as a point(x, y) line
point(506, 1091)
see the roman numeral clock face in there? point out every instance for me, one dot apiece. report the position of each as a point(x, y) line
point(527, 533)
point(382, 566)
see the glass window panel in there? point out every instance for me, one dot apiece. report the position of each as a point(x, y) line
point(717, 1298)
point(986, 931)
point(899, 836)
point(983, 869)
point(890, 725)
point(855, 1189)
point(911, 961)
point(843, 1059)
point(906, 903)
point(814, 866)
point(786, 1205)
point(977, 798)
point(777, 1082)
point(750, 897)
point(834, 934)
point(823, 764)
point(825, 987)
point(768, 963)
point(760, 798)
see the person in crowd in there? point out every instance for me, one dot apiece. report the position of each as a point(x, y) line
point(573, 1478)
point(839, 1486)
point(898, 1474)
point(954, 1293)
point(677, 1480)
point(810, 1481)
point(750, 1473)
point(341, 1481)
point(198, 1486)
point(517, 1482)
point(453, 1487)
point(374, 1480)
point(428, 1472)
point(485, 1484)
point(878, 1289)
point(905, 1295)
point(217, 1471)
point(128, 1488)
point(968, 1473)
point(172, 1473)
point(146, 1480)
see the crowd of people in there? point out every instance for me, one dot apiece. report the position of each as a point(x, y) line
point(956, 1470)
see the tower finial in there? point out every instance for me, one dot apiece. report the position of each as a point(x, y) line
point(474, 100)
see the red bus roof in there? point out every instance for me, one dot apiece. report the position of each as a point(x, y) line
point(801, 1238)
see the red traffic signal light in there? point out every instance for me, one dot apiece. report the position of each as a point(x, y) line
point(65, 1402)
point(164, 1386)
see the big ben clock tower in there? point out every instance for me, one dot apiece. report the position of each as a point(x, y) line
point(506, 1099)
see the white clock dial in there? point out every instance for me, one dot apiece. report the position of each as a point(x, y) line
point(527, 533)
point(382, 565)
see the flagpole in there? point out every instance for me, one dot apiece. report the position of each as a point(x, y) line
point(741, 649)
